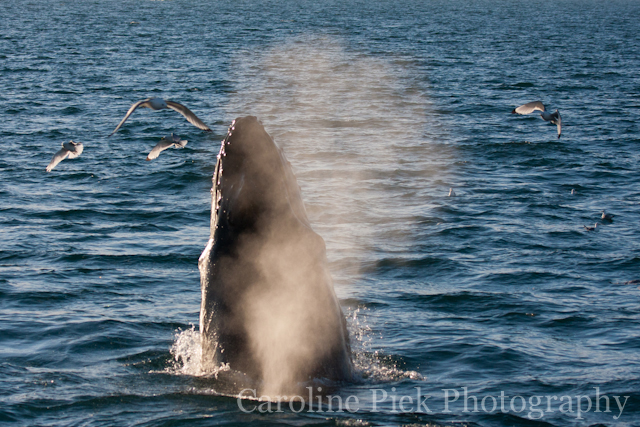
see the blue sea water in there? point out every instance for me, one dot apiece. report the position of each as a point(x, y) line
point(381, 107)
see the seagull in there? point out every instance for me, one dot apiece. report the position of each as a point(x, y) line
point(591, 228)
point(573, 191)
point(452, 193)
point(606, 216)
point(546, 116)
point(161, 104)
point(172, 140)
point(69, 149)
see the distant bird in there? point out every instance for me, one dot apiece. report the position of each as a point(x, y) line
point(573, 191)
point(452, 193)
point(161, 104)
point(546, 116)
point(172, 140)
point(69, 149)
point(606, 216)
point(591, 228)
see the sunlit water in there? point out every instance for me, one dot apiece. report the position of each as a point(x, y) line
point(381, 108)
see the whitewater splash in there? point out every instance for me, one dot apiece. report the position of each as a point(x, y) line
point(371, 366)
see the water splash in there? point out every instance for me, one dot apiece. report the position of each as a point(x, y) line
point(187, 355)
point(371, 366)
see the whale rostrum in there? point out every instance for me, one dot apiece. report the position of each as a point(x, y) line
point(268, 309)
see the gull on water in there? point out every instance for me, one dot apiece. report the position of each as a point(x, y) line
point(606, 216)
point(69, 149)
point(452, 193)
point(546, 116)
point(573, 191)
point(161, 104)
point(172, 140)
point(591, 228)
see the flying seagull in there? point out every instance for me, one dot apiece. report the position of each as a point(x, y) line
point(161, 104)
point(69, 149)
point(546, 116)
point(172, 140)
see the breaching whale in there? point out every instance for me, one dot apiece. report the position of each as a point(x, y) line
point(268, 308)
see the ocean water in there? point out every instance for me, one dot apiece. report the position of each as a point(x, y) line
point(381, 107)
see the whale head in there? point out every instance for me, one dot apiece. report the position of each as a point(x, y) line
point(254, 186)
point(268, 305)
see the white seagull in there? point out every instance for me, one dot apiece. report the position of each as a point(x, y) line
point(591, 228)
point(172, 140)
point(606, 216)
point(69, 149)
point(161, 104)
point(546, 116)
point(452, 193)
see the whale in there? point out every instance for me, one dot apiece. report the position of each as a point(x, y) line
point(269, 308)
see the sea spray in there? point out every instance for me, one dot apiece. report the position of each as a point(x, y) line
point(371, 366)
point(187, 355)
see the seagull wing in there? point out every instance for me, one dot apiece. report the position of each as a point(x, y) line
point(529, 108)
point(57, 158)
point(188, 114)
point(159, 148)
point(142, 103)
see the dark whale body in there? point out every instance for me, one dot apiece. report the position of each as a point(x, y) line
point(268, 305)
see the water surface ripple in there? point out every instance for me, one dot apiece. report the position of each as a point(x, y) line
point(381, 108)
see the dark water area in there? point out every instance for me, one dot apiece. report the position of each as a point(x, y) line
point(498, 292)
